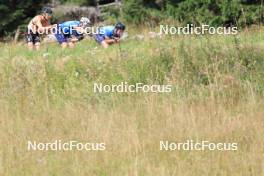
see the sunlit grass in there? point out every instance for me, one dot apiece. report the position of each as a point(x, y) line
point(217, 95)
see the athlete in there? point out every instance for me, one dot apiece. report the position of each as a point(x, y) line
point(109, 35)
point(70, 32)
point(40, 24)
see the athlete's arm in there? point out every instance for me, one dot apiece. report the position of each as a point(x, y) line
point(79, 30)
point(41, 28)
point(109, 40)
point(117, 39)
point(77, 34)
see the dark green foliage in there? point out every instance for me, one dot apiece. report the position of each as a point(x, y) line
point(215, 12)
point(79, 2)
point(134, 11)
point(211, 12)
point(17, 12)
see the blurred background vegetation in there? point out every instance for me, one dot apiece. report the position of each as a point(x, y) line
point(239, 13)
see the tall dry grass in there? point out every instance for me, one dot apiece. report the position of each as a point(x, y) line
point(217, 96)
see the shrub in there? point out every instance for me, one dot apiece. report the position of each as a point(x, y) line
point(14, 13)
point(134, 11)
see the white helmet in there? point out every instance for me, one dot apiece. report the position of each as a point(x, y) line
point(85, 21)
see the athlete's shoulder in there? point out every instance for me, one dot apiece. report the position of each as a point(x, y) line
point(70, 23)
point(110, 27)
point(37, 18)
point(74, 22)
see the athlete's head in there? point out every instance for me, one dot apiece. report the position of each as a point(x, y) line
point(47, 12)
point(119, 29)
point(84, 22)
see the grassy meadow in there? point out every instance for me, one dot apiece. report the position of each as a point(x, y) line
point(218, 90)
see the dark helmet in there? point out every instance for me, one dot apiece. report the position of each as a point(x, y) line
point(46, 10)
point(121, 26)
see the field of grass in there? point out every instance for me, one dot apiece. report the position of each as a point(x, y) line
point(218, 90)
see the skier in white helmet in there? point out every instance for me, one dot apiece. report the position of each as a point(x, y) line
point(70, 32)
